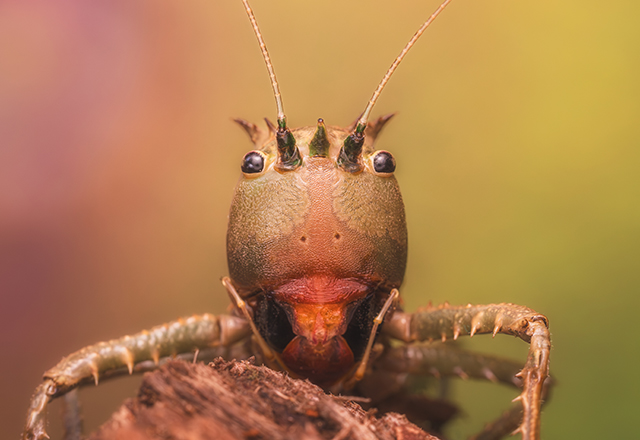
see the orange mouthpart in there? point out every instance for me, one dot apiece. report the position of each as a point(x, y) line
point(319, 309)
point(324, 364)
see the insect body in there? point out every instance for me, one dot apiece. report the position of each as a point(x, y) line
point(317, 248)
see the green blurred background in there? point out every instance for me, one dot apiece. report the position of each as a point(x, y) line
point(518, 150)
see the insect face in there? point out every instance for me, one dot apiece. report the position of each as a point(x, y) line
point(316, 247)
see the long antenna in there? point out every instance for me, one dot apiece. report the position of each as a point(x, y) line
point(272, 74)
point(362, 123)
point(288, 153)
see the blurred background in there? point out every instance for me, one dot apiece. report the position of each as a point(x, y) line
point(518, 147)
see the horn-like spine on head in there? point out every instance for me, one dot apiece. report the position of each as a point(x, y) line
point(319, 145)
point(350, 154)
point(288, 154)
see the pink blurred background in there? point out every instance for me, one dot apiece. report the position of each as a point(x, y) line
point(115, 184)
point(517, 146)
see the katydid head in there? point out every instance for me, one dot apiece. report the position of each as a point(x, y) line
point(317, 238)
point(315, 215)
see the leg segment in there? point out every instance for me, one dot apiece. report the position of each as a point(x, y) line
point(137, 353)
point(447, 322)
point(72, 416)
point(442, 360)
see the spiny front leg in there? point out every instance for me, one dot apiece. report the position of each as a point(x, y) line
point(130, 354)
point(442, 360)
point(447, 322)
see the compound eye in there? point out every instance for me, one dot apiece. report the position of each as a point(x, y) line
point(252, 163)
point(383, 162)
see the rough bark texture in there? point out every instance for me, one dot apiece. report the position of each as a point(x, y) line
point(237, 400)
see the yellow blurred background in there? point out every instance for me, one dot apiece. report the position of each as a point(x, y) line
point(518, 150)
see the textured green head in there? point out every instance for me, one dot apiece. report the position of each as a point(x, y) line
point(316, 201)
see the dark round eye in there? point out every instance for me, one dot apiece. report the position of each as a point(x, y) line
point(252, 163)
point(383, 162)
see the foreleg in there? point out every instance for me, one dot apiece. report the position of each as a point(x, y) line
point(442, 360)
point(136, 353)
point(448, 322)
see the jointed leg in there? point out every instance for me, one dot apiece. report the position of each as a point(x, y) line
point(442, 360)
point(450, 322)
point(379, 319)
point(136, 353)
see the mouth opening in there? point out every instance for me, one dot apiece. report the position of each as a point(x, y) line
point(273, 322)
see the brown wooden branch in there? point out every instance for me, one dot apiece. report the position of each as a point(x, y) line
point(241, 401)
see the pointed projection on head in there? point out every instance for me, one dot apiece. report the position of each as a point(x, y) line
point(319, 145)
point(252, 130)
point(270, 125)
point(375, 127)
